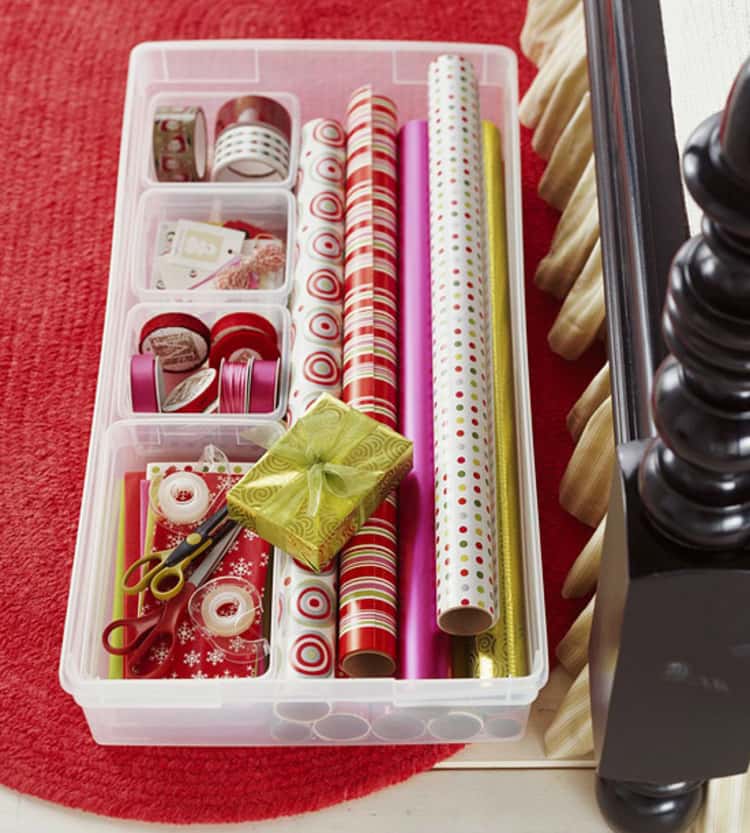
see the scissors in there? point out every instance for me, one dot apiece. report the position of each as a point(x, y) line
point(160, 624)
point(166, 573)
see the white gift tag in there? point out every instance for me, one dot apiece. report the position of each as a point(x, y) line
point(204, 246)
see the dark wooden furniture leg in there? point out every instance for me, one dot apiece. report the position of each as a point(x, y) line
point(670, 646)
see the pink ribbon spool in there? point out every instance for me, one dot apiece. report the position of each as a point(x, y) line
point(146, 384)
point(264, 386)
point(234, 387)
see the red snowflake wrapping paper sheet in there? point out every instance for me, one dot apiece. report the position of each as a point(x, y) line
point(248, 559)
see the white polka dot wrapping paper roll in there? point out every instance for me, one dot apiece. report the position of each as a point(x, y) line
point(367, 565)
point(309, 600)
point(465, 522)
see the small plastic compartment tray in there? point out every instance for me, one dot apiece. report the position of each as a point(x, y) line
point(319, 75)
point(210, 100)
point(208, 314)
point(271, 209)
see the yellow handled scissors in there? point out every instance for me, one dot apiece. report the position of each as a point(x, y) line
point(164, 571)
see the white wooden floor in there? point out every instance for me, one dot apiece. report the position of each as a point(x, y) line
point(441, 801)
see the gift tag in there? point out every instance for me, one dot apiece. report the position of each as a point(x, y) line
point(170, 275)
point(204, 246)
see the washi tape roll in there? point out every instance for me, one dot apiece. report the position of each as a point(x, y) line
point(146, 384)
point(239, 157)
point(254, 109)
point(465, 522)
point(242, 321)
point(195, 394)
point(234, 387)
point(253, 135)
point(367, 565)
point(180, 145)
point(264, 386)
point(243, 345)
point(180, 341)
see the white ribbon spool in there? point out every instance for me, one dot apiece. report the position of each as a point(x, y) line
point(183, 497)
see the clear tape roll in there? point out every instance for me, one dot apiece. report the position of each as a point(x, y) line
point(183, 497)
point(227, 612)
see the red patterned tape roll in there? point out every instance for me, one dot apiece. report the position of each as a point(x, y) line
point(180, 144)
point(181, 341)
point(195, 394)
point(254, 109)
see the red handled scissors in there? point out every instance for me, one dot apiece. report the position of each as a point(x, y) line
point(141, 633)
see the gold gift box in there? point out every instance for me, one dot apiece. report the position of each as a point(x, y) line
point(316, 486)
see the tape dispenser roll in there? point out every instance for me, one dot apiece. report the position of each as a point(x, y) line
point(227, 611)
point(183, 497)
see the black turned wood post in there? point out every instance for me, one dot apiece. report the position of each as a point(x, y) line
point(670, 645)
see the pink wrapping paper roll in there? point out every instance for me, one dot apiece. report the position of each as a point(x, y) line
point(367, 566)
point(424, 650)
point(467, 584)
point(308, 626)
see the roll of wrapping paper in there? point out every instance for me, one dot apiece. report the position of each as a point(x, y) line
point(465, 520)
point(318, 287)
point(424, 650)
point(308, 624)
point(367, 566)
point(501, 651)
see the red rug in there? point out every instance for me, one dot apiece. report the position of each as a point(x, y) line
point(63, 65)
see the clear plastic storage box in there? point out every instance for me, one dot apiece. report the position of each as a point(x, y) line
point(315, 78)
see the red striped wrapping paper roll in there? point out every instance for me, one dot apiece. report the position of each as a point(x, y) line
point(367, 566)
point(465, 519)
point(308, 626)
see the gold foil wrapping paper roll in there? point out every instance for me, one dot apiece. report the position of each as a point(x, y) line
point(501, 651)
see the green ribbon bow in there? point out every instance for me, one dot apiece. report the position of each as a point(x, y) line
point(314, 450)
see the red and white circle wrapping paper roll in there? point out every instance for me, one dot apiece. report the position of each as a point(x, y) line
point(367, 566)
point(310, 601)
point(306, 646)
point(465, 521)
